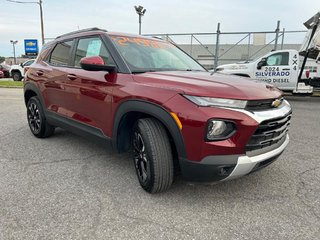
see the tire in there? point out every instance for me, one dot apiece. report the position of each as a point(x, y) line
point(153, 158)
point(36, 119)
point(16, 76)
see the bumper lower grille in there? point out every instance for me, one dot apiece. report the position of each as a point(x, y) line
point(269, 133)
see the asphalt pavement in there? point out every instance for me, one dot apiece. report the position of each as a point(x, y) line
point(67, 187)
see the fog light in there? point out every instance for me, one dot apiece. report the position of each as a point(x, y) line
point(216, 128)
point(219, 129)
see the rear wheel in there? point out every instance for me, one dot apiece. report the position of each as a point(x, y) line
point(152, 155)
point(36, 119)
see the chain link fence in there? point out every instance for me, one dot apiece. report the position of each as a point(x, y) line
point(213, 49)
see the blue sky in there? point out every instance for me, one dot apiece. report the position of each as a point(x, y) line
point(21, 21)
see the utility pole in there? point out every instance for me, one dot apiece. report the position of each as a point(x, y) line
point(39, 2)
point(41, 21)
point(277, 36)
point(216, 53)
point(14, 42)
point(140, 11)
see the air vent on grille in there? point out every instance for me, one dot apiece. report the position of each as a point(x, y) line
point(258, 105)
point(269, 133)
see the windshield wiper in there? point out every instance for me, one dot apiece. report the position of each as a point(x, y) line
point(164, 69)
point(138, 71)
point(193, 70)
point(153, 70)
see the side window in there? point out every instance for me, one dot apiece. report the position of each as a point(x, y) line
point(88, 47)
point(60, 54)
point(28, 63)
point(278, 59)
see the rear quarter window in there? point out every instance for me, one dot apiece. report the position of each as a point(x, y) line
point(60, 54)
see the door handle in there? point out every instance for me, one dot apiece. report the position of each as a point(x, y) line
point(286, 69)
point(39, 72)
point(71, 77)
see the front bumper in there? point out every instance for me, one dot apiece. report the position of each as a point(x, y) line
point(240, 154)
point(227, 167)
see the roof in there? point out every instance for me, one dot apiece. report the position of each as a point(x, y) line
point(81, 31)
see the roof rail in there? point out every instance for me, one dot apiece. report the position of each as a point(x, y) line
point(82, 30)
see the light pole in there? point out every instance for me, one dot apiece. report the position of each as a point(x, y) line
point(39, 2)
point(140, 11)
point(14, 50)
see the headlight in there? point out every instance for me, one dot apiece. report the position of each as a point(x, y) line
point(217, 102)
point(219, 130)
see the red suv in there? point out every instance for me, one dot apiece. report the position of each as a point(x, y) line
point(149, 97)
point(5, 70)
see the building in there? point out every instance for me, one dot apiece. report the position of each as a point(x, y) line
point(229, 53)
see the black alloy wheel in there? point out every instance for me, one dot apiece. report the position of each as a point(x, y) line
point(37, 120)
point(34, 118)
point(141, 162)
point(152, 155)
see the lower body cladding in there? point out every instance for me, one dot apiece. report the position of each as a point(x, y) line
point(227, 167)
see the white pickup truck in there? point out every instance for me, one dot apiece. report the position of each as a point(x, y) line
point(283, 68)
point(17, 71)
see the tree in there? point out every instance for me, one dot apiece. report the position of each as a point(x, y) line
point(2, 59)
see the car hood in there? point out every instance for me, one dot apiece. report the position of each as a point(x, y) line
point(14, 66)
point(208, 84)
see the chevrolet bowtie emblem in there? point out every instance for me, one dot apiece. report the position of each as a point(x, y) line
point(276, 103)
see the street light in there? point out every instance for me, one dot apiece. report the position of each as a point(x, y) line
point(14, 50)
point(140, 11)
point(39, 2)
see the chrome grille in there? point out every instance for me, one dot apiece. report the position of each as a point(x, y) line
point(258, 105)
point(269, 133)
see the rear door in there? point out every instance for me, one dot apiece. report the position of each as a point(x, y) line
point(281, 70)
point(55, 75)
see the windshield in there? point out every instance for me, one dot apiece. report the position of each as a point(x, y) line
point(145, 55)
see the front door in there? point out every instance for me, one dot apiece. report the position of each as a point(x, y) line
point(281, 70)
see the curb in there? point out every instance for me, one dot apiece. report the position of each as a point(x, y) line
point(11, 87)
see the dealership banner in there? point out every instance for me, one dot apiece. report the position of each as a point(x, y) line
point(31, 47)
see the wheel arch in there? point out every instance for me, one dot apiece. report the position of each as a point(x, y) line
point(132, 110)
point(31, 90)
point(15, 70)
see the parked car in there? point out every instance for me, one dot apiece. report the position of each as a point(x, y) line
point(147, 96)
point(311, 72)
point(5, 69)
point(17, 71)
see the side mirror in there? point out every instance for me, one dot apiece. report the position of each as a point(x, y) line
point(21, 64)
point(96, 63)
point(262, 63)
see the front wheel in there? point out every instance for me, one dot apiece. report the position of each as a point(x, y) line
point(152, 155)
point(16, 76)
